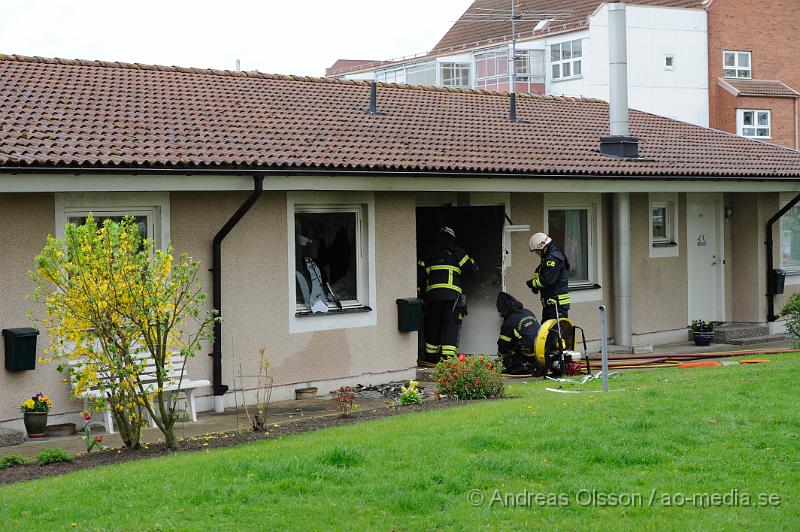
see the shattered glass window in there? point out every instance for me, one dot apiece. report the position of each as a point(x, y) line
point(327, 258)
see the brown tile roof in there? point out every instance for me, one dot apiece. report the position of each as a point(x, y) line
point(757, 87)
point(342, 65)
point(466, 31)
point(56, 112)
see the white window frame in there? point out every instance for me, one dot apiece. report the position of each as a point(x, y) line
point(391, 75)
point(429, 69)
point(740, 123)
point(592, 202)
point(533, 61)
point(571, 61)
point(361, 313)
point(457, 67)
point(500, 58)
point(664, 247)
point(674, 61)
point(793, 273)
point(152, 205)
point(735, 67)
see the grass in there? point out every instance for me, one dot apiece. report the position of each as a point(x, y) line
point(578, 460)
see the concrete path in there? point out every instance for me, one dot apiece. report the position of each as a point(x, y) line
point(280, 412)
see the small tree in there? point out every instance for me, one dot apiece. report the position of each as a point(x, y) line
point(111, 299)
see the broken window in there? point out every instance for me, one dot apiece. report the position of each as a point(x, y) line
point(328, 268)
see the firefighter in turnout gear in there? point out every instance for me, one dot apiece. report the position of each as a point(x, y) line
point(443, 268)
point(550, 278)
point(517, 338)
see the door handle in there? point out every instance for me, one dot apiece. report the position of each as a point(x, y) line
point(715, 261)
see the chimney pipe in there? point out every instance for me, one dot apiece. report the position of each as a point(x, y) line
point(617, 69)
point(512, 111)
point(373, 98)
point(619, 143)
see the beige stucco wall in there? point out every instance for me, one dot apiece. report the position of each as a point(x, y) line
point(255, 292)
point(659, 297)
point(25, 222)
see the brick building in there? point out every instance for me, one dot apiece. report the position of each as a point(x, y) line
point(753, 75)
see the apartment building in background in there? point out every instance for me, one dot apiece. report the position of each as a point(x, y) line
point(711, 63)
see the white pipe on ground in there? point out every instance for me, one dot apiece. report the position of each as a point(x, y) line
point(617, 69)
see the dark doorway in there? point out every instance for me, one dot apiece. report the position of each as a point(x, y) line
point(479, 231)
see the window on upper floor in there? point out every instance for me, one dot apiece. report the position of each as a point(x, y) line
point(736, 64)
point(529, 66)
point(391, 75)
point(455, 74)
point(491, 69)
point(565, 59)
point(422, 74)
point(754, 123)
point(669, 61)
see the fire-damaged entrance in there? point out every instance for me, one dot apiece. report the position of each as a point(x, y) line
point(479, 231)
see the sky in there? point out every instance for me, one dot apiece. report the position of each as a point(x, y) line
point(286, 37)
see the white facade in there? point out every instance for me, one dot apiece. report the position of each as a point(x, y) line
point(667, 62)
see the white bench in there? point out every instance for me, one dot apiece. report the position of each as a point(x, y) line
point(176, 381)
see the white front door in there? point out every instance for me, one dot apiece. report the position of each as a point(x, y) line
point(704, 245)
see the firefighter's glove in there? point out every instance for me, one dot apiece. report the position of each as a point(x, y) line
point(530, 285)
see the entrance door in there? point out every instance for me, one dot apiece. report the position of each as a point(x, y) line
point(704, 244)
point(479, 231)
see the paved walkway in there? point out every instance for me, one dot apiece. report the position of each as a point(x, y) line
point(207, 422)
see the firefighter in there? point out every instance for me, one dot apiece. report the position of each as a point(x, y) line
point(517, 337)
point(550, 277)
point(444, 266)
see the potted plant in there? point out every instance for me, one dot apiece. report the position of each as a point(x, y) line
point(35, 412)
point(702, 332)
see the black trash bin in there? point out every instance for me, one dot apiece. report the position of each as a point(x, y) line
point(409, 314)
point(20, 348)
point(778, 280)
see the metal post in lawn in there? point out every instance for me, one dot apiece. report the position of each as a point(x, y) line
point(604, 345)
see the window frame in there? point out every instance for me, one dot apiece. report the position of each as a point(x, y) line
point(493, 82)
point(786, 197)
point(358, 210)
point(674, 61)
point(153, 205)
point(427, 68)
point(362, 315)
point(588, 290)
point(740, 125)
point(735, 67)
point(531, 59)
point(571, 60)
point(668, 246)
point(456, 67)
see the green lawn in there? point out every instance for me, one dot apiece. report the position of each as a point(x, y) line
point(732, 431)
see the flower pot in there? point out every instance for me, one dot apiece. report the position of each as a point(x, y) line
point(305, 393)
point(35, 422)
point(703, 338)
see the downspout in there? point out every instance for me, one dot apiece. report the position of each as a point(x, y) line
point(770, 265)
point(216, 269)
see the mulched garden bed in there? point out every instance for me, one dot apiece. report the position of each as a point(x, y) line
point(214, 440)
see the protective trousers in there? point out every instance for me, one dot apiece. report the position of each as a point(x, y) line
point(442, 325)
point(549, 312)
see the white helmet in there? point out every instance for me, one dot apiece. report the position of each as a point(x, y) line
point(539, 241)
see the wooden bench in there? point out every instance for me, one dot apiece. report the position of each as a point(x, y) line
point(176, 381)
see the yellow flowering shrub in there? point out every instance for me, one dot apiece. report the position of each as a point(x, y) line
point(111, 300)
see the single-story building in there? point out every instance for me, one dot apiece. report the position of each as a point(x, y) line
point(279, 169)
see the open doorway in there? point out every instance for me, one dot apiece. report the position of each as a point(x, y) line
point(479, 231)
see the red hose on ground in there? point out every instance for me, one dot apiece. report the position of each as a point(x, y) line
point(675, 359)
